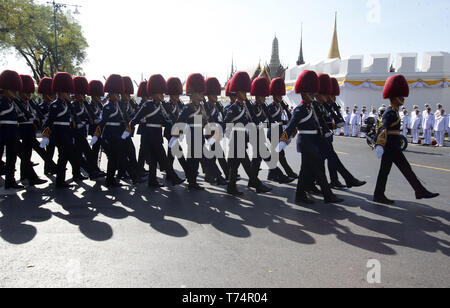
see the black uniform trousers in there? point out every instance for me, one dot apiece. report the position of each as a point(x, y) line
point(66, 153)
point(334, 161)
point(88, 162)
point(157, 155)
point(312, 168)
point(398, 158)
point(113, 147)
point(11, 146)
point(129, 162)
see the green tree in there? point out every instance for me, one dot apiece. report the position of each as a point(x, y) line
point(27, 28)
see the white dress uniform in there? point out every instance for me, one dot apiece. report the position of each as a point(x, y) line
point(415, 125)
point(440, 125)
point(405, 124)
point(427, 125)
point(355, 120)
point(347, 118)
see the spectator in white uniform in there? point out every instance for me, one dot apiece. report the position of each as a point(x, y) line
point(347, 117)
point(438, 110)
point(364, 116)
point(440, 125)
point(405, 122)
point(427, 125)
point(415, 125)
point(355, 120)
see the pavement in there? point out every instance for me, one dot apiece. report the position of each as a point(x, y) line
point(136, 237)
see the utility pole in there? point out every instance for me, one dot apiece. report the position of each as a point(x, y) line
point(56, 7)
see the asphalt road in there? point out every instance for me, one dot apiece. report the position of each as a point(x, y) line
point(135, 237)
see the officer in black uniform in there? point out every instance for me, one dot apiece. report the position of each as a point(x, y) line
point(195, 117)
point(261, 89)
point(94, 108)
point(152, 134)
point(389, 143)
point(310, 137)
point(45, 89)
point(173, 109)
point(28, 123)
point(276, 110)
point(110, 130)
point(238, 113)
point(10, 83)
point(142, 156)
point(82, 120)
point(59, 127)
point(326, 123)
point(129, 108)
point(215, 119)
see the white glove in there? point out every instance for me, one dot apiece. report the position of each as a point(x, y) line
point(94, 140)
point(380, 151)
point(281, 146)
point(211, 141)
point(173, 142)
point(125, 135)
point(44, 143)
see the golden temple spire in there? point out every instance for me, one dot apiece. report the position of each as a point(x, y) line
point(334, 50)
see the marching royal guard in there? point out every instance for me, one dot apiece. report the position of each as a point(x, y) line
point(327, 124)
point(128, 108)
point(110, 130)
point(261, 90)
point(152, 134)
point(238, 113)
point(173, 110)
point(58, 127)
point(45, 89)
point(276, 120)
point(195, 88)
point(142, 156)
point(29, 121)
point(231, 95)
point(389, 143)
point(94, 108)
point(81, 121)
point(215, 119)
point(11, 84)
point(305, 121)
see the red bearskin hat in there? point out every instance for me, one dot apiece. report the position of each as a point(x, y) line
point(45, 86)
point(213, 86)
point(62, 82)
point(142, 89)
point(227, 90)
point(114, 84)
point(27, 84)
point(307, 82)
point(128, 87)
point(241, 82)
point(325, 84)
point(81, 85)
point(156, 85)
point(336, 90)
point(396, 86)
point(10, 80)
point(195, 84)
point(278, 87)
point(174, 86)
point(260, 87)
point(96, 88)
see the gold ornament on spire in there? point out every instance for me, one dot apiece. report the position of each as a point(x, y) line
point(334, 50)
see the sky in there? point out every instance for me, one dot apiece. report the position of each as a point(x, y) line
point(180, 37)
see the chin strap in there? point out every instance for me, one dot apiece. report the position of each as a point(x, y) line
point(46, 133)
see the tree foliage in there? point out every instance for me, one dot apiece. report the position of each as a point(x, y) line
point(27, 28)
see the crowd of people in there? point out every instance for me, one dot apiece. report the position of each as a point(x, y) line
point(414, 124)
point(81, 128)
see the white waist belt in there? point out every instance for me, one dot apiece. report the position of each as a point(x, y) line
point(196, 125)
point(308, 132)
point(9, 122)
point(154, 125)
point(239, 129)
point(113, 124)
point(62, 123)
point(23, 123)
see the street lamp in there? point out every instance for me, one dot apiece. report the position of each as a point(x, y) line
point(56, 7)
